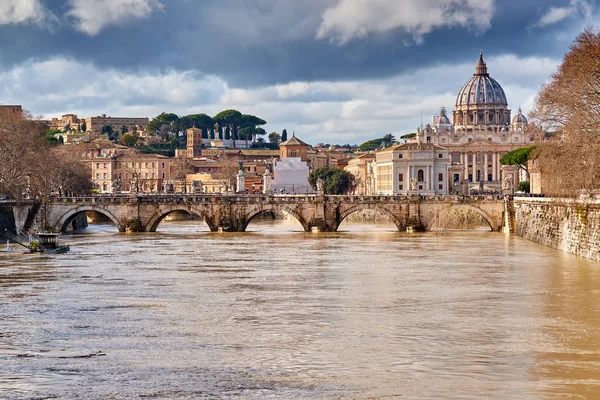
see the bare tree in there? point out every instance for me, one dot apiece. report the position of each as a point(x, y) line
point(569, 107)
point(21, 150)
point(227, 173)
point(60, 171)
point(181, 167)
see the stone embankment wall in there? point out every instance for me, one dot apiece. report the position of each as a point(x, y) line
point(572, 226)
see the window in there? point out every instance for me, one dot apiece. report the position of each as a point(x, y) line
point(146, 165)
point(420, 175)
point(428, 139)
point(401, 177)
point(440, 155)
point(420, 187)
point(489, 158)
point(292, 153)
point(105, 175)
point(470, 158)
point(456, 177)
point(104, 166)
point(400, 155)
point(470, 177)
point(97, 175)
point(489, 177)
point(97, 165)
point(441, 187)
point(455, 157)
point(401, 187)
point(441, 177)
point(163, 175)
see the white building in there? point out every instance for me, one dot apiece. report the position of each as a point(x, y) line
point(291, 176)
point(412, 168)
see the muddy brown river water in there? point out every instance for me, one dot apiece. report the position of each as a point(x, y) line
point(276, 313)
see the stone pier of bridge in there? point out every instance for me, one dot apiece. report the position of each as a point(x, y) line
point(233, 213)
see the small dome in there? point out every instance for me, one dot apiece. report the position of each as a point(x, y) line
point(481, 88)
point(519, 118)
point(442, 119)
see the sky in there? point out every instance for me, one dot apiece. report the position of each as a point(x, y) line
point(333, 71)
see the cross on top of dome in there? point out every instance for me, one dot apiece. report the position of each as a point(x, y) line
point(481, 67)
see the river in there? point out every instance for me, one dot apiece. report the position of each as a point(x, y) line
point(276, 313)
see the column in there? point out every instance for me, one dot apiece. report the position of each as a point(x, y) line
point(494, 167)
point(466, 164)
point(429, 177)
point(485, 166)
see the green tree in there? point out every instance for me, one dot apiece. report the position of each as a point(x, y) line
point(83, 126)
point(524, 186)
point(128, 139)
point(335, 181)
point(518, 157)
point(284, 135)
point(108, 130)
point(158, 123)
point(123, 130)
point(51, 137)
point(250, 127)
point(274, 138)
point(388, 140)
point(231, 119)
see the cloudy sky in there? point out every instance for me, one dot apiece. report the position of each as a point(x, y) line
point(337, 71)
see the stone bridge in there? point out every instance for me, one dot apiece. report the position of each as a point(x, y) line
point(233, 213)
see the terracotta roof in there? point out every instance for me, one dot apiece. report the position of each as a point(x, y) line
point(101, 144)
point(293, 141)
point(260, 152)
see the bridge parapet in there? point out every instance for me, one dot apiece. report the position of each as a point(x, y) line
point(233, 212)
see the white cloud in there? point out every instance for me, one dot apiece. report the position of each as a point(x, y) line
point(350, 19)
point(91, 16)
point(556, 14)
point(20, 11)
point(320, 111)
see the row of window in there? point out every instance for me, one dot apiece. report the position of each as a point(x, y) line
point(421, 176)
point(440, 155)
point(146, 176)
point(440, 187)
point(125, 165)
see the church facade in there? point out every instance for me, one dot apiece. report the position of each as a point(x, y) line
point(478, 134)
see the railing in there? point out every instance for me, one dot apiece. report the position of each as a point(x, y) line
point(253, 198)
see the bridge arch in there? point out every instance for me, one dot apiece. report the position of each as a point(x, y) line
point(276, 208)
point(66, 219)
point(494, 226)
point(367, 206)
point(159, 216)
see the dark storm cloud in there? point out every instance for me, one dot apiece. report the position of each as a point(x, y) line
point(261, 42)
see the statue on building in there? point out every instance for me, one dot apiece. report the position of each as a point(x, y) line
point(116, 185)
point(413, 184)
point(320, 185)
point(241, 166)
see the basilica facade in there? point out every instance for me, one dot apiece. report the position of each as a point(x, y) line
point(478, 134)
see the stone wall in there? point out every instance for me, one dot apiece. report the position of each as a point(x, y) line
point(572, 226)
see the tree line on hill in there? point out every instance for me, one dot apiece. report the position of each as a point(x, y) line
point(226, 125)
